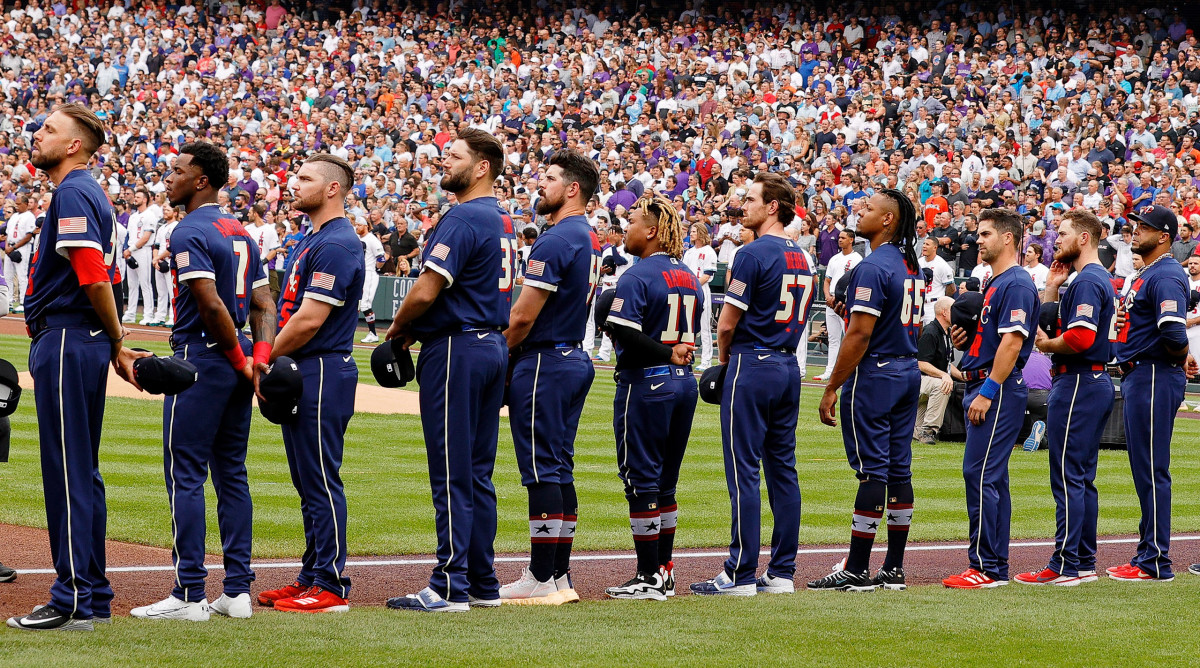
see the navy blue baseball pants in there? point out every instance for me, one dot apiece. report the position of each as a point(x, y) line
point(985, 471)
point(462, 387)
point(69, 366)
point(206, 428)
point(879, 409)
point(1079, 406)
point(546, 396)
point(759, 407)
point(652, 419)
point(314, 443)
point(1152, 392)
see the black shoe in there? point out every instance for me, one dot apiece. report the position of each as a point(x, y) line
point(892, 578)
point(1194, 569)
point(7, 574)
point(49, 618)
point(668, 573)
point(643, 586)
point(844, 581)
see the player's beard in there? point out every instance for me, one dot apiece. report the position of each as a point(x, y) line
point(987, 255)
point(1066, 255)
point(548, 207)
point(306, 206)
point(457, 182)
point(46, 160)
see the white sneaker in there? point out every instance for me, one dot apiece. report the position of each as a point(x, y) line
point(237, 607)
point(566, 589)
point(173, 608)
point(1087, 576)
point(821, 377)
point(769, 584)
point(128, 319)
point(527, 587)
point(723, 585)
point(169, 323)
point(370, 338)
point(482, 602)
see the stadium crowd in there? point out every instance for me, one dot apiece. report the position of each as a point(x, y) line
point(962, 106)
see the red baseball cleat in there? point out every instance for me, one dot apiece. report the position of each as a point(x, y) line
point(268, 598)
point(1131, 573)
point(972, 579)
point(1048, 577)
point(314, 599)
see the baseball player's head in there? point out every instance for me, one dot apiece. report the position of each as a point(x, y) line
point(70, 136)
point(1078, 237)
point(699, 235)
point(1000, 234)
point(570, 181)
point(197, 175)
point(890, 217)
point(654, 228)
point(770, 201)
point(322, 184)
point(474, 160)
point(1193, 266)
point(1155, 230)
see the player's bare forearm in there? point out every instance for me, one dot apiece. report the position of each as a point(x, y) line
point(422, 295)
point(726, 325)
point(101, 296)
point(1006, 356)
point(524, 313)
point(854, 347)
point(262, 315)
point(301, 327)
point(1056, 346)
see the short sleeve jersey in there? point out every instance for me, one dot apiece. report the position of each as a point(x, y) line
point(1010, 304)
point(840, 265)
point(564, 261)
point(772, 282)
point(1089, 302)
point(328, 268)
point(210, 243)
point(1158, 296)
point(702, 261)
point(474, 249)
point(79, 216)
point(883, 286)
point(372, 251)
point(659, 297)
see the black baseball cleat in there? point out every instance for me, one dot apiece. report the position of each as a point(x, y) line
point(668, 573)
point(643, 586)
point(49, 618)
point(844, 581)
point(892, 578)
point(7, 574)
point(1194, 569)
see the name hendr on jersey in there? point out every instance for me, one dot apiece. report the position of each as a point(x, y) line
point(772, 282)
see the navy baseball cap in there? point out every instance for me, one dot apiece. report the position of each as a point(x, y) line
point(965, 313)
point(164, 375)
point(1048, 318)
point(281, 387)
point(1158, 217)
point(603, 305)
point(10, 390)
point(392, 365)
point(712, 383)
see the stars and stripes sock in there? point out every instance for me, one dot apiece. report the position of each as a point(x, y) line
point(566, 534)
point(645, 523)
point(669, 512)
point(868, 513)
point(370, 316)
point(899, 518)
point(545, 522)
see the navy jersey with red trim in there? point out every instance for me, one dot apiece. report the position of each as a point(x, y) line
point(1089, 302)
point(328, 268)
point(474, 249)
point(1010, 304)
point(210, 243)
point(1158, 296)
point(772, 283)
point(79, 216)
point(565, 261)
point(882, 285)
point(659, 297)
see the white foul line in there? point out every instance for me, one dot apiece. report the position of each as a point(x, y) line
point(369, 563)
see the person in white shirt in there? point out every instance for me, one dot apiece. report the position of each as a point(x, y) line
point(982, 273)
point(1193, 316)
point(942, 283)
point(1033, 264)
point(20, 235)
point(838, 266)
point(729, 235)
point(1122, 243)
point(142, 224)
point(701, 259)
point(373, 259)
point(164, 308)
point(614, 261)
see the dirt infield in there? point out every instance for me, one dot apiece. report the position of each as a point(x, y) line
point(377, 578)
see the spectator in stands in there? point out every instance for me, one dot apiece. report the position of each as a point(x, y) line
point(934, 352)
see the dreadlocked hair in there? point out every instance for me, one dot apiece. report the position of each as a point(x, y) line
point(670, 237)
point(904, 236)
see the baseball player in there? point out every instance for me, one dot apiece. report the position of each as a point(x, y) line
point(206, 427)
point(701, 259)
point(457, 309)
point(766, 308)
point(1193, 317)
point(164, 309)
point(877, 372)
point(142, 223)
point(654, 319)
point(551, 372)
point(318, 317)
point(995, 397)
point(76, 332)
point(373, 259)
point(20, 238)
point(615, 260)
point(1152, 352)
point(1081, 395)
point(839, 265)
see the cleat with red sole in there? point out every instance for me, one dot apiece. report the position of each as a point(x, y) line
point(314, 599)
point(1131, 573)
point(269, 597)
point(972, 579)
point(1049, 577)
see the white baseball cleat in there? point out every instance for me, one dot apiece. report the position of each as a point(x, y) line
point(528, 587)
point(173, 608)
point(370, 338)
point(237, 607)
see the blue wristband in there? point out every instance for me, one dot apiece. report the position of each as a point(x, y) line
point(989, 389)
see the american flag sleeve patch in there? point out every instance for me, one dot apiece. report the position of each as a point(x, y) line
point(736, 287)
point(1169, 306)
point(1017, 315)
point(74, 225)
point(617, 305)
point(535, 268)
point(440, 251)
point(322, 280)
point(1083, 311)
point(183, 260)
point(862, 294)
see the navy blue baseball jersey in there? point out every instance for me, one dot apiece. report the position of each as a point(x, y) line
point(1088, 302)
point(80, 216)
point(474, 249)
point(883, 286)
point(659, 297)
point(211, 243)
point(772, 283)
point(565, 260)
point(1010, 304)
point(1159, 295)
point(329, 268)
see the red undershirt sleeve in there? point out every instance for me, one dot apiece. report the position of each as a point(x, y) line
point(88, 264)
point(1079, 338)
